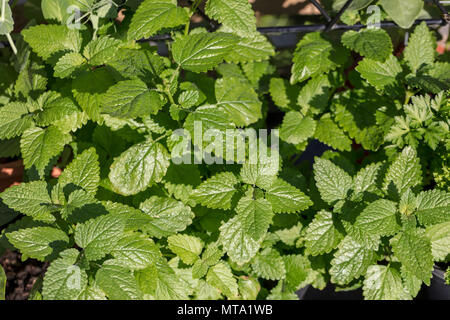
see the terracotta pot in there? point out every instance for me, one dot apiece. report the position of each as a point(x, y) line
point(11, 173)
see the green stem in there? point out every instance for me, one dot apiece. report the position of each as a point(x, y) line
point(192, 11)
point(3, 10)
point(11, 43)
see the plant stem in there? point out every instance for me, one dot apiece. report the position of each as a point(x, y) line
point(11, 42)
point(3, 10)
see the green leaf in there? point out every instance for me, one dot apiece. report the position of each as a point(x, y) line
point(433, 207)
point(88, 90)
point(55, 108)
point(404, 13)
point(135, 251)
point(117, 282)
point(366, 178)
point(42, 243)
point(379, 218)
point(421, 48)
point(216, 192)
point(253, 47)
point(169, 216)
point(154, 15)
point(315, 95)
point(48, 40)
point(6, 25)
point(188, 248)
point(31, 199)
point(210, 257)
point(322, 235)
point(221, 277)
point(242, 235)
point(269, 265)
point(139, 167)
point(374, 44)
point(296, 128)
point(201, 52)
point(413, 249)
point(312, 57)
point(83, 171)
point(404, 173)
point(101, 50)
point(350, 261)
point(333, 182)
point(64, 279)
point(236, 15)
point(69, 64)
point(380, 74)
point(439, 236)
point(285, 198)
point(59, 10)
point(239, 101)
point(384, 283)
point(328, 132)
point(282, 93)
point(14, 120)
point(39, 146)
point(99, 236)
point(131, 99)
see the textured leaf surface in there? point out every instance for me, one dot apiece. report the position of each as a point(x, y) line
point(433, 206)
point(332, 181)
point(296, 129)
point(413, 249)
point(285, 198)
point(439, 236)
point(217, 191)
point(375, 44)
point(237, 15)
point(421, 48)
point(39, 146)
point(14, 120)
point(221, 277)
point(379, 218)
point(169, 216)
point(118, 283)
point(131, 99)
point(47, 40)
point(39, 243)
point(135, 251)
point(188, 248)
point(154, 15)
point(269, 265)
point(31, 199)
point(64, 279)
point(328, 132)
point(384, 283)
point(241, 236)
point(322, 236)
point(350, 261)
point(380, 74)
point(405, 172)
point(238, 100)
point(202, 51)
point(99, 236)
point(139, 167)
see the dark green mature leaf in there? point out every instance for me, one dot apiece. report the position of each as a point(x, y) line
point(371, 43)
point(131, 99)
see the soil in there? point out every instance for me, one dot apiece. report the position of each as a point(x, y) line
point(21, 275)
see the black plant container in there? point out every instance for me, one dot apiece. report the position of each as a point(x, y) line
point(438, 290)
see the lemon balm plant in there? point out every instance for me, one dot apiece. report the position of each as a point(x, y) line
point(172, 188)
